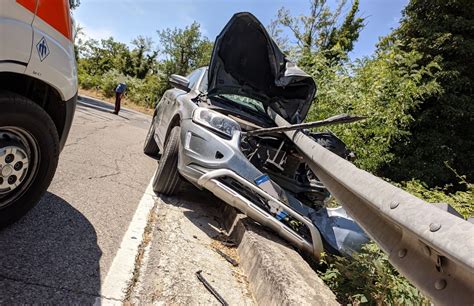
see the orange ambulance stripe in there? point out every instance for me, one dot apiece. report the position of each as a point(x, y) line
point(28, 4)
point(53, 12)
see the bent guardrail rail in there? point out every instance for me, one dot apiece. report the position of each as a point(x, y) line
point(432, 248)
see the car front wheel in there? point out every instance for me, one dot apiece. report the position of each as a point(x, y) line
point(167, 179)
point(29, 152)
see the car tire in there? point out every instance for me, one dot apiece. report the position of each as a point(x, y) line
point(151, 148)
point(27, 133)
point(167, 179)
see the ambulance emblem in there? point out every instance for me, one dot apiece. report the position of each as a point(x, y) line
point(43, 49)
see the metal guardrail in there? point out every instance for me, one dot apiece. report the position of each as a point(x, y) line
point(432, 248)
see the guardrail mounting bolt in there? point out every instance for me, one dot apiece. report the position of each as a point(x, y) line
point(434, 227)
point(440, 284)
point(394, 205)
point(402, 253)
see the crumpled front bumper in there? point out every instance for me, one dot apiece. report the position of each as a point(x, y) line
point(211, 182)
point(205, 159)
point(202, 150)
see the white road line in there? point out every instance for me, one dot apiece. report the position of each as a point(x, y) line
point(114, 287)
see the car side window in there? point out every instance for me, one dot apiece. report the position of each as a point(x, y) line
point(203, 85)
point(193, 78)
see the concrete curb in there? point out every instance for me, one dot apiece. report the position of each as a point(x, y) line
point(277, 274)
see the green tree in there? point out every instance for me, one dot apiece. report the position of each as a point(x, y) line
point(98, 57)
point(184, 49)
point(102, 64)
point(143, 58)
point(321, 30)
point(441, 131)
point(373, 87)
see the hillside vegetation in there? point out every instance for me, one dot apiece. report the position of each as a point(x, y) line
point(416, 91)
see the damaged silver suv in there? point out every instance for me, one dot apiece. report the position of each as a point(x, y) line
point(203, 131)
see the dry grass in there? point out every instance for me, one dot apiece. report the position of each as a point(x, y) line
point(125, 102)
point(228, 247)
point(229, 251)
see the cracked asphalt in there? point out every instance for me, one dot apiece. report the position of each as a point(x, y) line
point(61, 251)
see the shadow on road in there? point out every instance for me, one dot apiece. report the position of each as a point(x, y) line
point(205, 211)
point(201, 208)
point(50, 256)
point(97, 104)
point(100, 105)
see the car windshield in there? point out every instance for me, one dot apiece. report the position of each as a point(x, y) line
point(244, 101)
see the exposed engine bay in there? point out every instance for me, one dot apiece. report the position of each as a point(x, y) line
point(277, 156)
point(291, 181)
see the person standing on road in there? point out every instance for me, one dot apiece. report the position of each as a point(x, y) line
point(119, 91)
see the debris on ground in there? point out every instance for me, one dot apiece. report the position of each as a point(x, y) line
point(210, 288)
point(189, 235)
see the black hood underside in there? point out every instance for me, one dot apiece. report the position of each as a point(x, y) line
point(246, 61)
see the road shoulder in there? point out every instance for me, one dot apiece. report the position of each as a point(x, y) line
point(186, 235)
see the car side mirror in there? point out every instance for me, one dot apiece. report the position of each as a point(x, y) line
point(180, 82)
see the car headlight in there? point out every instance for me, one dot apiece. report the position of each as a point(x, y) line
point(215, 121)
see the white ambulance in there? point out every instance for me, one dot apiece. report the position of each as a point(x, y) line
point(38, 92)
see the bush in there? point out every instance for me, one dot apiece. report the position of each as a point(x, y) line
point(462, 201)
point(144, 92)
point(373, 88)
point(368, 278)
point(88, 81)
point(110, 80)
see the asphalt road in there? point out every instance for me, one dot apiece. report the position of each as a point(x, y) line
point(62, 250)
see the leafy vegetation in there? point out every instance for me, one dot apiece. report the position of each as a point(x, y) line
point(462, 201)
point(368, 278)
point(440, 31)
point(402, 91)
point(184, 50)
point(144, 68)
point(321, 31)
point(373, 88)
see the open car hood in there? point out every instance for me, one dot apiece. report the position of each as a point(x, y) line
point(247, 62)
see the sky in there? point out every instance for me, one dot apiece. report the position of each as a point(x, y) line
point(126, 19)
